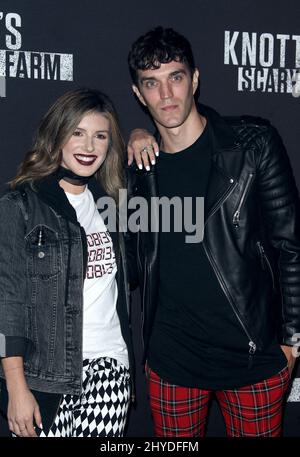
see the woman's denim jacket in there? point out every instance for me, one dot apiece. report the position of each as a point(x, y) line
point(43, 258)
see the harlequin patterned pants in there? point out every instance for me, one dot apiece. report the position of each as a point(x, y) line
point(250, 411)
point(101, 409)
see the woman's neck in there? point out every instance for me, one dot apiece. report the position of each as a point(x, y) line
point(71, 188)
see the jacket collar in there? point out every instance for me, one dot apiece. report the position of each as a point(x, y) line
point(223, 136)
point(49, 190)
point(225, 169)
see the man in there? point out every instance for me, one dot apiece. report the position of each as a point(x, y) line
point(219, 315)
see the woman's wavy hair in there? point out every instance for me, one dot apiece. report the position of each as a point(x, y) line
point(55, 129)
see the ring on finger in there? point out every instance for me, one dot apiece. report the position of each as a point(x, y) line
point(145, 149)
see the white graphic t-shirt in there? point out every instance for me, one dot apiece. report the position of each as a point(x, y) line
point(102, 335)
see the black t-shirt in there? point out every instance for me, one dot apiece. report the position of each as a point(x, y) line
point(197, 340)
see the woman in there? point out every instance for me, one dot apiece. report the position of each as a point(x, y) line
point(64, 327)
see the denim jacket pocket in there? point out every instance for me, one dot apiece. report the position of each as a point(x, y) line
point(43, 252)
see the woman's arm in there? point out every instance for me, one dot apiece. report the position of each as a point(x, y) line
point(142, 147)
point(22, 406)
point(14, 343)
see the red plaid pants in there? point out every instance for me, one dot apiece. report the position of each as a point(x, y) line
point(254, 410)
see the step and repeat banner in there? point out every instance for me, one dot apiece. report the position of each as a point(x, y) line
point(248, 55)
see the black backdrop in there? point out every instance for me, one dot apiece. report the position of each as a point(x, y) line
point(248, 53)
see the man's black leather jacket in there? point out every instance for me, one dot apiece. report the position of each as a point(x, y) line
point(251, 235)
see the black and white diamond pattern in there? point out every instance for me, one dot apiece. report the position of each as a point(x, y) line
point(101, 409)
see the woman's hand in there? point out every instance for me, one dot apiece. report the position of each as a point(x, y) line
point(142, 147)
point(22, 405)
point(22, 409)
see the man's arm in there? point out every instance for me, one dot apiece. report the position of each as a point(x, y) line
point(281, 213)
point(288, 352)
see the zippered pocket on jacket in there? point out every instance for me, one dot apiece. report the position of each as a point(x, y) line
point(265, 261)
point(236, 215)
